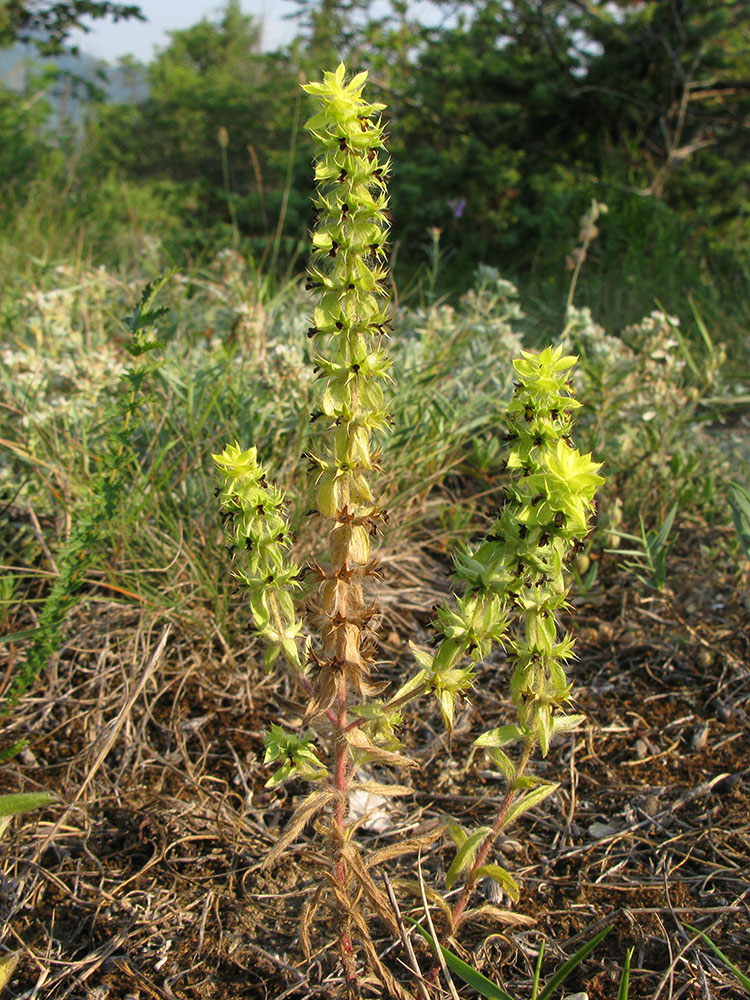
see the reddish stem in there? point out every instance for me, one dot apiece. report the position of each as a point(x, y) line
point(485, 848)
point(346, 947)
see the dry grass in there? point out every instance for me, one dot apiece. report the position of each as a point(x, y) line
point(146, 881)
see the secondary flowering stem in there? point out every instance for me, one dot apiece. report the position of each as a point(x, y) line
point(489, 841)
point(483, 853)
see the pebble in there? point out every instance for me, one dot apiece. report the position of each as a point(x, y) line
point(723, 711)
point(598, 830)
point(651, 805)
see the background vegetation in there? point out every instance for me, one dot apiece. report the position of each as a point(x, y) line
point(506, 118)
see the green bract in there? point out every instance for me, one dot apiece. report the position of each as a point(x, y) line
point(299, 757)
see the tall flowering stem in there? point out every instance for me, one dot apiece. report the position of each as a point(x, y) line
point(348, 329)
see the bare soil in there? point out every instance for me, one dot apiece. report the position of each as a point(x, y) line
point(146, 879)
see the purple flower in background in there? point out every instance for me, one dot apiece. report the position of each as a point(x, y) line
point(457, 206)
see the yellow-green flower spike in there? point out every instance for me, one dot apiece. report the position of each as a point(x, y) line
point(548, 506)
point(349, 327)
point(258, 535)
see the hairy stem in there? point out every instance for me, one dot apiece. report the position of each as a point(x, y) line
point(489, 841)
point(486, 846)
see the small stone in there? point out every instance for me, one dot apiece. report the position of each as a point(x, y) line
point(651, 805)
point(641, 749)
point(723, 711)
point(598, 830)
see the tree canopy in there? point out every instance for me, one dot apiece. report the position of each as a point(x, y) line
point(48, 23)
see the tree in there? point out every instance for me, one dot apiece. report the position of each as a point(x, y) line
point(509, 115)
point(216, 129)
point(48, 23)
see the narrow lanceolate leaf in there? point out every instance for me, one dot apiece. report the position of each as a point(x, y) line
point(302, 815)
point(361, 741)
point(529, 800)
point(501, 737)
point(455, 831)
point(376, 788)
point(465, 855)
point(561, 974)
point(504, 879)
point(8, 964)
point(503, 763)
point(11, 805)
point(566, 723)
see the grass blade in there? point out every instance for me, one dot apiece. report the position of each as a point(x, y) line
point(624, 990)
point(484, 986)
point(565, 970)
point(537, 973)
point(741, 978)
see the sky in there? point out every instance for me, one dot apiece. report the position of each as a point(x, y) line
point(109, 41)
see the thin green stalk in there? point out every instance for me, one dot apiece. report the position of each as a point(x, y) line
point(223, 145)
point(489, 841)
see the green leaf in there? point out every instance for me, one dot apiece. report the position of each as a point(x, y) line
point(465, 854)
point(503, 878)
point(661, 536)
point(740, 976)
point(565, 970)
point(501, 737)
point(624, 990)
point(531, 799)
point(11, 805)
point(484, 986)
point(739, 501)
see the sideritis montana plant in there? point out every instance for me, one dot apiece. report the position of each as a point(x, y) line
point(511, 585)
